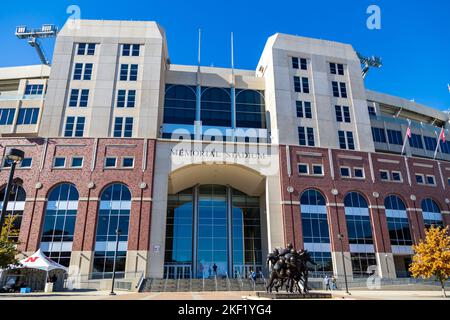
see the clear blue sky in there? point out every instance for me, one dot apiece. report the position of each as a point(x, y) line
point(414, 41)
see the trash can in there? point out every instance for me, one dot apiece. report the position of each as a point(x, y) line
point(48, 287)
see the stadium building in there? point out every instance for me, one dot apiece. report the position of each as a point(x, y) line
point(202, 166)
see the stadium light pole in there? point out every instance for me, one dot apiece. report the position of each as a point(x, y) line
point(14, 156)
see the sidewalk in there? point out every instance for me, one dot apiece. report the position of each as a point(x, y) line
point(121, 295)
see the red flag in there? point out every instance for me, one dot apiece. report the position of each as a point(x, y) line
point(442, 136)
point(408, 132)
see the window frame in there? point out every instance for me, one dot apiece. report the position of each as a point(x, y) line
point(307, 169)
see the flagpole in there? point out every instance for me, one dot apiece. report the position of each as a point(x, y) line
point(439, 141)
point(408, 131)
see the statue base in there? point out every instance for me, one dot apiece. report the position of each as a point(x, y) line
point(293, 296)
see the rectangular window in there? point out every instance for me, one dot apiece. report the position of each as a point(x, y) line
point(378, 135)
point(430, 143)
point(339, 117)
point(448, 180)
point(384, 175)
point(128, 132)
point(297, 84)
point(416, 141)
point(299, 105)
point(87, 71)
point(73, 102)
point(346, 112)
point(337, 68)
point(395, 137)
point(121, 129)
point(7, 116)
point(343, 87)
point(34, 89)
point(124, 72)
point(445, 146)
point(295, 63)
point(121, 97)
point(342, 141)
point(303, 168)
point(128, 162)
point(305, 85)
point(301, 136)
point(304, 109)
point(59, 162)
point(74, 127)
point(79, 128)
point(28, 116)
point(431, 180)
point(78, 72)
point(420, 179)
point(84, 98)
point(26, 163)
point(133, 72)
point(110, 162)
point(358, 173)
point(350, 141)
point(136, 48)
point(77, 162)
point(335, 86)
point(397, 176)
point(86, 48)
point(333, 69)
point(372, 111)
point(303, 64)
point(345, 172)
point(131, 50)
point(317, 169)
point(310, 134)
point(308, 112)
point(118, 124)
point(83, 71)
point(131, 101)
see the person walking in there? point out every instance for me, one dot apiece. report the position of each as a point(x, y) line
point(326, 282)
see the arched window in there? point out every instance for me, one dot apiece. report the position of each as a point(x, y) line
point(216, 107)
point(16, 205)
point(179, 104)
point(250, 109)
point(59, 223)
point(359, 233)
point(431, 213)
point(114, 214)
point(397, 220)
point(316, 236)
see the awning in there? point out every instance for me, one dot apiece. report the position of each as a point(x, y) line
point(39, 261)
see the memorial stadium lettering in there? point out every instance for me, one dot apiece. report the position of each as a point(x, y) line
point(217, 154)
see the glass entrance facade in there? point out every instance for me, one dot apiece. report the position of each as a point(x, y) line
point(212, 230)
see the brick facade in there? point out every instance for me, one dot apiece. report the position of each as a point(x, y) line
point(372, 163)
point(93, 151)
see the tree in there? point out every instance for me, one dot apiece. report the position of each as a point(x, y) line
point(8, 248)
point(432, 256)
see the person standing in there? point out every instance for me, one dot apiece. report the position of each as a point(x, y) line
point(326, 282)
point(334, 283)
point(215, 269)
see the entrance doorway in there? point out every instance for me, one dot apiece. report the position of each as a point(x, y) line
point(215, 230)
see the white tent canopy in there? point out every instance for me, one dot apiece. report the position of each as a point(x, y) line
point(39, 261)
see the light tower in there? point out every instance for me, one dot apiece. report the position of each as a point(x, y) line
point(34, 35)
point(368, 62)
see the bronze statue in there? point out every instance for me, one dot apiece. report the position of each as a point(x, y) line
point(288, 267)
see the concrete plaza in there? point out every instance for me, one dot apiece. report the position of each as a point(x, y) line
point(104, 295)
